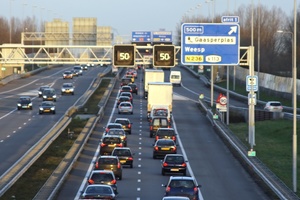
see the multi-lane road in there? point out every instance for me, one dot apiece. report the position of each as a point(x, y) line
point(209, 160)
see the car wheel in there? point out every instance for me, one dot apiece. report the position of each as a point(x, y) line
point(62, 93)
point(53, 112)
point(40, 113)
point(119, 113)
point(120, 177)
point(131, 165)
point(132, 113)
point(184, 173)
point(31, 108)
point(129, 132)
point(151, 135)
point(18, 108)
point(154, 156)
point(162, 172)
point(72, 93)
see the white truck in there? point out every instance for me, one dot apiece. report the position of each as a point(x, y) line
point(175, 78)
point(160, 94)
point(152, 75)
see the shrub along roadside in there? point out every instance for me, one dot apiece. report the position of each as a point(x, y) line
point(35, 177)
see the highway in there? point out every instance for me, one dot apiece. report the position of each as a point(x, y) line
point(22, 129)
point(209, 160)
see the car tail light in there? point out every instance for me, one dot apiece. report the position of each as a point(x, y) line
point(174, 149)
point(165, 164)
point(96, 165)
point(119, 165)
point(107, 129)
point(129, 126)
point(173, 138)
point(151, 128)
point(103, 145)
point(168, 189)
point(183, 164)
point(130, 90)
point(91, 182)
point(130, 158)
point(113, 181)
point(120, 145)
point(156, 148)
point(195, 189)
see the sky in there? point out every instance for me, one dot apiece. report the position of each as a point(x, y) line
point(126, 16)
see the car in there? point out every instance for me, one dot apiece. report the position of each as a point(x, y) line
point(110, 163)
point(47, 107)
point(125, 81)
point(125, 107)
point(84, 67)
point(41, 89)
point(173, 163)
point(106, 177)
point(49, 95)
point(109, 142)
point(127, 94)
point(67, 75)
point(134, 88)
point(126, 124)
point(182, 186)
point(112, 125)
point(159, 110)
point(163, 147)
point(24, 102)
point(67, 88)
point(75, 72)
point(131, 76)
point(165, 133)
point(273, 106)
point(123, 99)
point(126, 88)
point(120, 132)
point(78, 70)
point(98, 191)
point(124, 154)
point(175, 198)
point(158, 122)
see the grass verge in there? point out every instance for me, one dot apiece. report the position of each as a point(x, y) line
point(36, 176)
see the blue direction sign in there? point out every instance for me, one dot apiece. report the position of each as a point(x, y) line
point(162, 36)
point(210, 44)
point(141, 36)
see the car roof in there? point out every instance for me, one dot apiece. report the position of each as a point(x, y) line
point(125, 102)
point(102, 170)
point(181, 178)
point(117, 136)
point(122, 148)
point(171, 129)
point(108, 156)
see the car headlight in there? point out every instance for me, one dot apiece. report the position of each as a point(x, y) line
point(19, 104)
point(41, 108)
point(30, 104)
point(40, 92)
point(44, 96)
point(63, 89)
point(54, 96)
point(52, 108)
point(71, 89)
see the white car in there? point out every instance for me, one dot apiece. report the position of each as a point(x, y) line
point(273, 106)
point(125, 107)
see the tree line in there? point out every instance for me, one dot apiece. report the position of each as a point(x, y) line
point(273, 49)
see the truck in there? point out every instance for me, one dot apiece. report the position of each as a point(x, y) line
point(175, 78)
point(160, 94)
point(152, 75)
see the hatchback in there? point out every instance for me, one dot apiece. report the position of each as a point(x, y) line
point(182, 186)
point(112, 125)
point(175, 198)
point(126, 124)
point(127, 94)
point(125, 107)
point(134, 88)
point(273, 106)
point(110, 163)
point(109, 142)
point(173, 163)
point(106, 177)
point(123, 99)
point(120, 132)
point(98, 191)
point(125, 81)
point(158, 122)
point(165, 133)
point(126, 88)
point(124, 154)
point(163, 147)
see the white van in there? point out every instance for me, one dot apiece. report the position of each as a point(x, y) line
point(175, 78)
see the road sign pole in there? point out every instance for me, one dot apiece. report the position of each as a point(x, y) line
point(251, 105)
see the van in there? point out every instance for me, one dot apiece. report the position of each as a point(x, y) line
point(175, 78)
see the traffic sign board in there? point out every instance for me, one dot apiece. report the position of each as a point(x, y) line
point(164, 55)
point(230, 19)
point(124, 55)
point(162, 36)
point(141, 36)
point(252, 83)
point(210, 44)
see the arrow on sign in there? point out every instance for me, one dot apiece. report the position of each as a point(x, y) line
point(233, 29)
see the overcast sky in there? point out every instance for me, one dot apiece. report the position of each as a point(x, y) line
point(125, 16)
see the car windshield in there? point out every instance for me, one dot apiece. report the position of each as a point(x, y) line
point(165, 143)
point(165, 132)
point(115, 132)
point(47, 103)
point(275, 104)
point(111, 140)
point(24, 99)
point(125, 104)
point(98, 177)
point(123, 122)
point(174, 159)
point(182, 183)
point(108, 161)
point(99, 190)
point(121, 152)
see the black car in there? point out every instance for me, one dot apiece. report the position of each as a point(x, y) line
point(118, 131)
point(158, 122)
point(182, 186)
point(109, 142)
point(106, 177)
point(98, 191)
point(109, 163)
point(125, 81)
point(126, 124)
point(24, 102)
point(173, 164)
point(134, 88)
point(67, 88)
point(41, 89)
point(127, 94)
point(165, 133)
point(124, 154)
point(163, 147)
point(47, 107)
point(49, 94)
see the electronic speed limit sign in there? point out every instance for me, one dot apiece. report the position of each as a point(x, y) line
point(124, 55)
point(164, 55)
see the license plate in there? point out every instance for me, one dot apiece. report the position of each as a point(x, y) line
point(122, 161)
point(165, 149)
point(111, 145)
point(174, 170)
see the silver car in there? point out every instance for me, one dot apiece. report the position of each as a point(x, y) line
point(125, 107)
point(67, 88)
